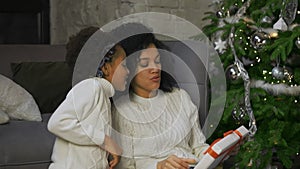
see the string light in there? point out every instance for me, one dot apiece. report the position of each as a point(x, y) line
point(265, 72)
point(274, 34)
point(258, 59)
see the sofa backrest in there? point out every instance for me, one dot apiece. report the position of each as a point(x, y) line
point(40, 69)
point(187, 68)
point(28, 53)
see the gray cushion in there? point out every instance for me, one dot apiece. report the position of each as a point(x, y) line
point(25, 142)
point(47, 82)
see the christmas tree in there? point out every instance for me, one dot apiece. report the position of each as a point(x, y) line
point(259, 45)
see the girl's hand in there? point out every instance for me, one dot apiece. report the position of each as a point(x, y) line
point(111, 146)
point(174, 162)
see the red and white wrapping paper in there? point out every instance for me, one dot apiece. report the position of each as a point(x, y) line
point(220, 148)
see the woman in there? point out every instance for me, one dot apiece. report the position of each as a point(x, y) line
point(157, 122)
point(82, 121)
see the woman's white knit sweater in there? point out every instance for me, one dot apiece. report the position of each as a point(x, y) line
point(80, 124)
point(151, 129)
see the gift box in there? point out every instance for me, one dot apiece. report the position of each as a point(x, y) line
point(220, 148)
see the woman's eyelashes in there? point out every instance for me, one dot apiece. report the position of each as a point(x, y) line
point(144, 62)
point(157, 60)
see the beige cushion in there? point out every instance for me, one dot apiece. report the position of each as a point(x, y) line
point(16, 102)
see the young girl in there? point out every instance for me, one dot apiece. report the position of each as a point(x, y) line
point(82, 121)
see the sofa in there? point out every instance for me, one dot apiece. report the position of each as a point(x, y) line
point(43, 72)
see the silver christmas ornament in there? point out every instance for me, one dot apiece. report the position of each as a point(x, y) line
point(259, 39)
point(278, 72)
point(288, 74)
point(232, 72)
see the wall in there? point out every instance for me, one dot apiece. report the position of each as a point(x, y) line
point(69, 16)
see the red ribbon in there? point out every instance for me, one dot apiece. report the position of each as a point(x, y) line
point(215, 155)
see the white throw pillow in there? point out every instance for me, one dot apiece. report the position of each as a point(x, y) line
point(17, 102)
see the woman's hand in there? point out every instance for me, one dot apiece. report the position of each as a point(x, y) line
point(174, 162)
point(114, 161)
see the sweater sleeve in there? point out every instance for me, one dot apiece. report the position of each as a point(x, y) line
point(75, 119)
point(197, 139)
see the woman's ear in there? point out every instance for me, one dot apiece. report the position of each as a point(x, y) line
point(105, 69)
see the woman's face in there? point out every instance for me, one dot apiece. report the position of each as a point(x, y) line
point(118, 71)
point(147, 78)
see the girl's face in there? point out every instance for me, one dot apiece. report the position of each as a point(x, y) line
point(117, 69)
point(148, 71)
